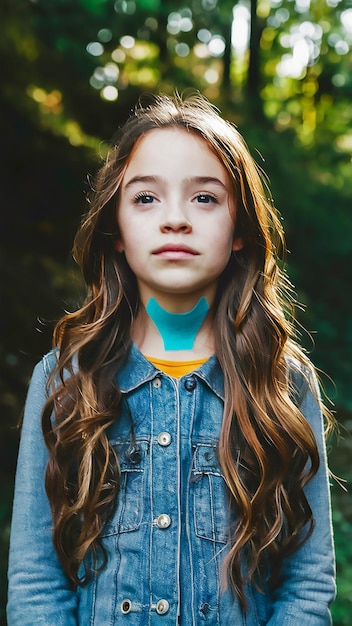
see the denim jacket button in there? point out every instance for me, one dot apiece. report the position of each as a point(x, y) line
point(205, 608)
point(126, 606)
point(162, 607)
point(156, 383)
point(163, 521)
point(190, 383)
point(133, 455)
point(164, 439)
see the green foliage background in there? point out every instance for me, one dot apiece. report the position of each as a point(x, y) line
point(60, 105)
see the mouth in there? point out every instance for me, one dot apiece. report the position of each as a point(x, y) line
point(175, 251)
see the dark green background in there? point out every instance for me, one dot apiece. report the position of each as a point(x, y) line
point(54, 124)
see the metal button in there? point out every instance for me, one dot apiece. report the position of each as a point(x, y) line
point(163, 521)
point(208, 455)
point(205, 608)
point(133, 454)
point(164, 439)
point(162, 607)
point(126, 606)
point(156, 383)
point(190, 383)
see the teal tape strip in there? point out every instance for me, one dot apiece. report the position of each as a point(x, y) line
point(178, 330)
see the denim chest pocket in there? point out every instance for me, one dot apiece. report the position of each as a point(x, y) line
point(130, 501)
point(211, 508)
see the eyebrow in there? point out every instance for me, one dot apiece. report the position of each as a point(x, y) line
point(135, 180)
point(206, 179)
point(142, 179)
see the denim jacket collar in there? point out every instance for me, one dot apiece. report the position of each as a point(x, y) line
point(137, 370)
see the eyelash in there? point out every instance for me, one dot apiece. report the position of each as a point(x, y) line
point(142, 195)
point(210, 198)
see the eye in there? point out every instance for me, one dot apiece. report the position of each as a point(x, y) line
point(206, 198)
point(143, 198)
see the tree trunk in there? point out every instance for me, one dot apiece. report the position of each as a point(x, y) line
point(254, 76)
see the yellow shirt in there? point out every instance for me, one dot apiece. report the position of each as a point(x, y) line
point(175, 368)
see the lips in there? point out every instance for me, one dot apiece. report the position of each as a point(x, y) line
point(175, 251)
point(175, 247)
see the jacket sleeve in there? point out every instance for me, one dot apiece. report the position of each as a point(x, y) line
point(39, 591)
point(308, 586)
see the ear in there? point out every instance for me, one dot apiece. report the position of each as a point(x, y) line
point(118, 245)
point(237, 244)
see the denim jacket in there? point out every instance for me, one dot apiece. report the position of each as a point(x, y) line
point(169, 534)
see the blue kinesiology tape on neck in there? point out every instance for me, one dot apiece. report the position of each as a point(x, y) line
point(178, 330)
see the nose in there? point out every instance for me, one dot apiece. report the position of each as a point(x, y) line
point(175, 220)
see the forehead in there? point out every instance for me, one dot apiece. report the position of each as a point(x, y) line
point(172, 148)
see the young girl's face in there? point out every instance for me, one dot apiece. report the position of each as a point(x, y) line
point(176, 218)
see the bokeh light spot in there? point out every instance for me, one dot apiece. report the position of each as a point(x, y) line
point(182, 49)
point(127, 42)
point(211, 76)
point(217, 46)
point(105, 35)
point(109, 93)
point(95, 48)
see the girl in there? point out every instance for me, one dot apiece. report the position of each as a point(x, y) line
point(172, 467)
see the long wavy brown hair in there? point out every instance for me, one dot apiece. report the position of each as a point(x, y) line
point(267, 450)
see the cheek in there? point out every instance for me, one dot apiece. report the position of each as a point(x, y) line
point(224, 240)
point(220, 252)
point(223, 248)
point(126, 234)
point(131, 245)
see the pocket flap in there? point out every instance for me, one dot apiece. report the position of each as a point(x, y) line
point(206, 460)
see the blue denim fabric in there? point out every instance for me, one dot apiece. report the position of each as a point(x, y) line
point(168, 535)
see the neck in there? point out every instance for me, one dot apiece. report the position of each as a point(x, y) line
point(174, 336)
point(178, 330)
point(174, 302)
